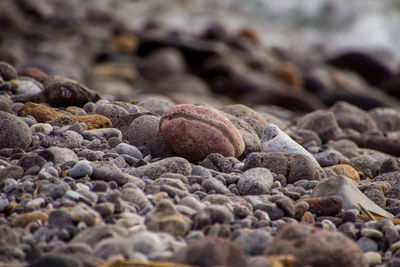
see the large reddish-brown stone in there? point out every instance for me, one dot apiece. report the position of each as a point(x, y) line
point(194, 132)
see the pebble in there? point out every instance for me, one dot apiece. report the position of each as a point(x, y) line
point(345, 170)
point(156, 169)
point(166, 218)
point(348, 191)
point(253, 242)
point(111, 111)
point(372, 258)
point(144, 133)
point(274, 139)
point(322, 123)
point(193, 132)
point(256, 181)
point(350, 116)
point(15, 133)
point(294, 167)
point(219, 251)
point(128, 149)
point(81, 169)
point(372, 233)
point(317, 245)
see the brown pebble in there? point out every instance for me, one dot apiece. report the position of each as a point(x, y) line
point(346, 170)
point(307, 218)
point(194, 132)
point(315, 247)
point(211, 251)
point(325, 206)
point(24, 219)
point(34, 73)
point(44, 114)
point(321, 122)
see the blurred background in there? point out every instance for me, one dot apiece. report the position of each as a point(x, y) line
point(298, 55)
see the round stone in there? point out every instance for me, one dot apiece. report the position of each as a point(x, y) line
point(81, 169)
point(256, 181)
point(14, 133)
point(194, 132)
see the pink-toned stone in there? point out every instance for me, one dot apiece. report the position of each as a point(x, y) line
point(194, 132)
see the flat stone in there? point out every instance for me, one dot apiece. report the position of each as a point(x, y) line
point(156, 169)
point(256, 181)
point(347, 189)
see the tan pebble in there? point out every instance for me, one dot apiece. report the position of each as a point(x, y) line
point(345, 170)
point(160, 196)
point(372, 258)
point(44, 114)
point(75, 110)
point(307, 218)
point(24, 219)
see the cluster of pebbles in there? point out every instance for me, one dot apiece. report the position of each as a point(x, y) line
point(152, 161)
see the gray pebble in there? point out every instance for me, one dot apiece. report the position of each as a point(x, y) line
point(156, 169)
point(81, 169)
point(256, 181)
point(130, 150)
point(214, 184)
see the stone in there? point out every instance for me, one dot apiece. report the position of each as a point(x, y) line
point(347, 189)
point(7, 71)
point(45, 114)
point(315, 247)
point(25, 218)
point(367, 244)
point(275, 140)
point(59, 219)
point(83, 213)
point(14, 172)
point(372, 258)
point(108, 171)
point(156, 105)
point(130, 150)
point(5, 103)
point(30, 160)
point(253, 242)
point(156, 169)
point(136, 196)
point(81, 169)
point(61, 91)
point(144, 133)
point(166, 218)
point(393, 179)
point(53, 259)
point(15, 133)
point(62, 155)
point(294, 167)
point(250, 137)
point(146, 242)
point(212, 214)
point(106, 133)
point(113, 246)
point(196, 131)
point(383, 144)
point(387, 119)
point(95, 234)
point(325, 206)
point(28, 87)
point(111, 111)
point(286, 204)
point(211, 251)
point(321, 122)
point(256, 181)
point(350, 116)
point(217, 162)
point(125, 121)
point(214, 184)
point(345, 170)
point(252, 117)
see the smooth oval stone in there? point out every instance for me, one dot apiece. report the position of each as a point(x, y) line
point(321, 122)
point(128, 149)
point(81, 169)
point(275, 140)
point(43, 128)
point(194, 132)
point(15, 133)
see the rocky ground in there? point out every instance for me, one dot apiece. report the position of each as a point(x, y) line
point(147, 144)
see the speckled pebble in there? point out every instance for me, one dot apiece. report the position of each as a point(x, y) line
point(81, 169)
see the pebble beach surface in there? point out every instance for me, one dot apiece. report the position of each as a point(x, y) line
point(164, 147)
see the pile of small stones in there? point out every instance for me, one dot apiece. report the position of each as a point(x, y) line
point(175, 170)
